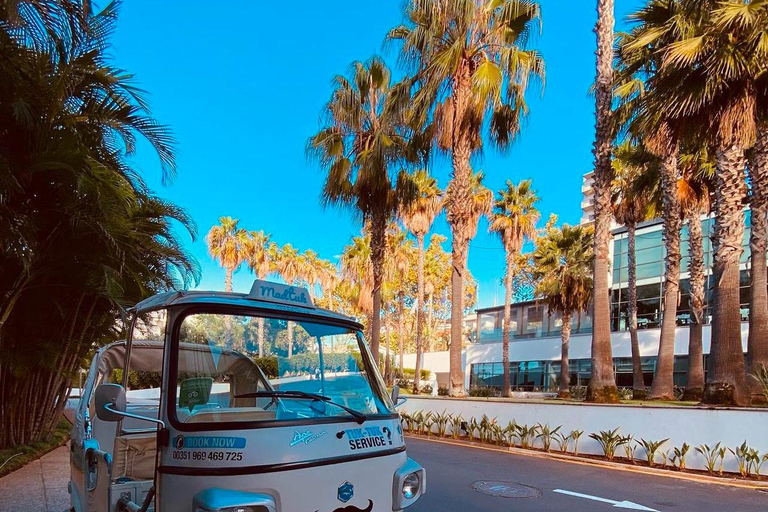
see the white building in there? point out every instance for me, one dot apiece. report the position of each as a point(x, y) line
point(535, 339)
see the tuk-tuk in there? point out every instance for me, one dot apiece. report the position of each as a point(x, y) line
point(182, 415)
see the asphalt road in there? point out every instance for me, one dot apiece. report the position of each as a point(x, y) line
point(452, 470)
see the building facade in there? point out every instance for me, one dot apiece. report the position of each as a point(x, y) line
point(535, 338)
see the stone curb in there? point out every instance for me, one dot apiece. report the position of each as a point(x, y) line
point(693, 477)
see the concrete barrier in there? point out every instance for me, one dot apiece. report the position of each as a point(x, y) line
point(692, 425)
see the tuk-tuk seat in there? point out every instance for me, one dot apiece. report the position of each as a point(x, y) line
point(134, 457)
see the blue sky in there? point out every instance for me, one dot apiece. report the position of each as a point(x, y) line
point(242, 89)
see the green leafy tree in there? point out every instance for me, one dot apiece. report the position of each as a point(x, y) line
point(563, 264)
point(514, 218)
point(418, 217)
point(473, 67)
point(363, 135)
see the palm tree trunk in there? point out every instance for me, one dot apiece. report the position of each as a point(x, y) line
point(506, 391)
point(419, 311)
point(456, 387)
point(565, 372)
point(663, 387)
point(757, 344)
point(602, 384)
point(694, 387)
point(458, 212)
point(726, 379)
point(401, 326)
point(261, 336)
point(638, 382)
point(387, 366)
point(230, 340)
point(378, 246)
point(290, 339)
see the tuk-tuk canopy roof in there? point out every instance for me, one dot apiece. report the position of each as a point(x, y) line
point(168, 299)
point(147, 356)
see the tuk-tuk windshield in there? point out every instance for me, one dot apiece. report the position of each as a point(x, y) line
point(235, 369)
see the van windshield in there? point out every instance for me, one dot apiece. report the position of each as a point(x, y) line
point(235, 368)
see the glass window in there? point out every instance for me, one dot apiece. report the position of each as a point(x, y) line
point(648, 240)
point(490, 328)
point(217, 381)
point(645, 256)
point(534, 320)
point(648, 291)
point(650, 270)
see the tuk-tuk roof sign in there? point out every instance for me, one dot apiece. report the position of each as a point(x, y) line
point(281, 294)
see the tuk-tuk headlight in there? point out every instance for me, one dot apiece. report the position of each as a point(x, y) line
point(411, 484)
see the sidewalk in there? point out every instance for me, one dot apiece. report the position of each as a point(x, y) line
point(40, 486)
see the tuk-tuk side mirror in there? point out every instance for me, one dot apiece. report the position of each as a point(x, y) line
point(110, 396)
point(396, 398)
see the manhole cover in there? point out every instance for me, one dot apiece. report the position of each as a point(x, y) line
point(506, 489)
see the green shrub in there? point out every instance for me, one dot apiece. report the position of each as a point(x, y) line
point(410, 373)
point(442, 391)
point(546, 435)
point(575, 435)
point(651, 448)
point(527, 434)
point(711, 456)
point(456, 424)
point(426, 389)
point(483, 392)
point(268, 365)
point(629, 450)
point(678, 459)
point(610, 441)
point(761, 376)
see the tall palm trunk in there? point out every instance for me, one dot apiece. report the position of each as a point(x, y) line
point(506, 327)
point(602, 384)
point(387, 365)
point(378, 246)
point(290, 339)
point(663, 387)
point(726, 379)
point(401, 327)
point(459, 206)
point(565, 371)
point(694, 387)
point(261, 336)
point(230, 339)
point(757, 344)
point(419, 311)
point(638, 382)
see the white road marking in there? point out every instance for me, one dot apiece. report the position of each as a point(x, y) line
point(617, 504)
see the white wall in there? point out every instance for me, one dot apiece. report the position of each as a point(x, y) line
point(692, 425)
point(548, 349)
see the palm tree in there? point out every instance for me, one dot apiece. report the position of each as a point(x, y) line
point(563, 266)
point(694, 200)
point(228, 244)
point(362, 135)
point(632, 199)
point(357, 272)
point(311, 270)
point(329, 279)
point(757, 344)
point(602, 384)
point(721, 61)
point(82, 236)
point(399, 257)
point(261, 264)
point(514, 219)
point(473, 68)
point(287, 262)
point(418, 217)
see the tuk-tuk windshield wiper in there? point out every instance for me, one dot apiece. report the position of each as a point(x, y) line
point(359, 416)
